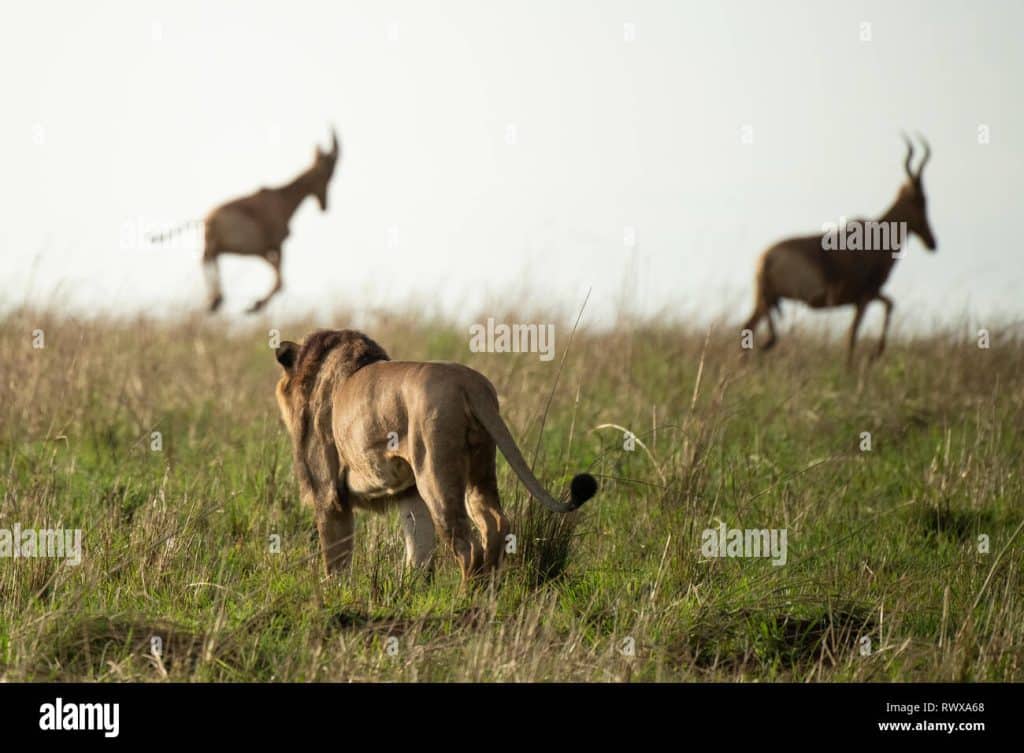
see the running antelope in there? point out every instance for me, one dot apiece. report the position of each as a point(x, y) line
point(257, 225)
point(824, 271)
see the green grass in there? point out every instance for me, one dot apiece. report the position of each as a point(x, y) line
point(882, 545)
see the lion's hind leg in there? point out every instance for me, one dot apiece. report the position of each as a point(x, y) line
point(484, 508)
point(443, 488)
point(418, 531)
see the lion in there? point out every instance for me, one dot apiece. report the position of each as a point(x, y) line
point(369, 433)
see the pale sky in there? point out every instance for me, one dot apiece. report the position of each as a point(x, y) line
point(499, 153)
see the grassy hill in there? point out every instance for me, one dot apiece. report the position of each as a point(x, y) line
point(904, 560)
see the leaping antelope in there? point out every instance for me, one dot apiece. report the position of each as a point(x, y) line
point(257, 225)
point(811, 269)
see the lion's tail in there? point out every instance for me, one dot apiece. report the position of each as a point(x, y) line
point(484, 408)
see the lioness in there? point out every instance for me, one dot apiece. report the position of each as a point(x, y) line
point(369, 432)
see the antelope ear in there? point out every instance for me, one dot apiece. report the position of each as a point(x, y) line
point(286, 354)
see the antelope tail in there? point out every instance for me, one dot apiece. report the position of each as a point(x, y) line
point(583, 485)
point(163, 236)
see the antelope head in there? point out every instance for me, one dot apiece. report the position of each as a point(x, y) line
point(323, 169)
point(912, 201)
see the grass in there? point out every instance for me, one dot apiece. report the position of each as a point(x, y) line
point(200, 548)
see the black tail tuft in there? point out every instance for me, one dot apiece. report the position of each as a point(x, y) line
point(582, 488)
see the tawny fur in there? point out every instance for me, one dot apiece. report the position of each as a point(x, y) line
point(368, 432)
point(801, 269)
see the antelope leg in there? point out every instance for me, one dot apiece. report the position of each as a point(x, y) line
point(853, 332)
point(887, 302)
point(273, 258)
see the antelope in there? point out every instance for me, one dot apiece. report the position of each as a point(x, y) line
point(257, 224)
point(810, 269)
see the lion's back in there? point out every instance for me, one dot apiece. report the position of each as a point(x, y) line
point(426, 383)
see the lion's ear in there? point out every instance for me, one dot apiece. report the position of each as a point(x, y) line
point(286, 354)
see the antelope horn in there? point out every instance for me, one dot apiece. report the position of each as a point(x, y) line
point(334, 142)
point(927, 155)
point(910, 156)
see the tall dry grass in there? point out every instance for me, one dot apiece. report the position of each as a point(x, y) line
point(178, 543)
